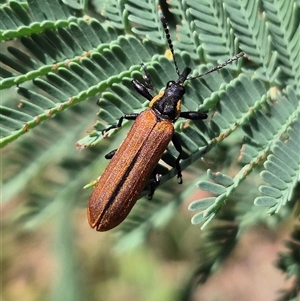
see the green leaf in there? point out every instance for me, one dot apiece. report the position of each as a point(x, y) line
point(60, 58)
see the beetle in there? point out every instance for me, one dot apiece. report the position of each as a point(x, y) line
point(132, 165)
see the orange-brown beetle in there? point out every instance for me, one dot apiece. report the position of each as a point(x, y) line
point(134, 162)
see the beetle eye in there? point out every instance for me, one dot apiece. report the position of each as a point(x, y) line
point(170, 83)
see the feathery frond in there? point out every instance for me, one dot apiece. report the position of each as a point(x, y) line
point(61, 59)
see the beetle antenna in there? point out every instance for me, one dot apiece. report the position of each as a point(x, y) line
point(168, 37)
point(167, 32)
point(234, 58)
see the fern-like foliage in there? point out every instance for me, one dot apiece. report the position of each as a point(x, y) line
point(61, 60)
point(263, 129)
point(59, 57)
point(201, 20)
point(282, 171)
point(262, 132)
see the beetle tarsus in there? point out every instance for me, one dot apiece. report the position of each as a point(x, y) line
point(193, 115)
point(119, 124)
point(110, 154)
point(154, 183)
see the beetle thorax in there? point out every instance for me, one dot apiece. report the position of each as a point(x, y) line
point(167, 104)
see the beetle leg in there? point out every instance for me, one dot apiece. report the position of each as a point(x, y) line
point(141, 89)
point(110, 154)
point(154, 183)
point(178, 147)
point(119, 124)
point(193, 115)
